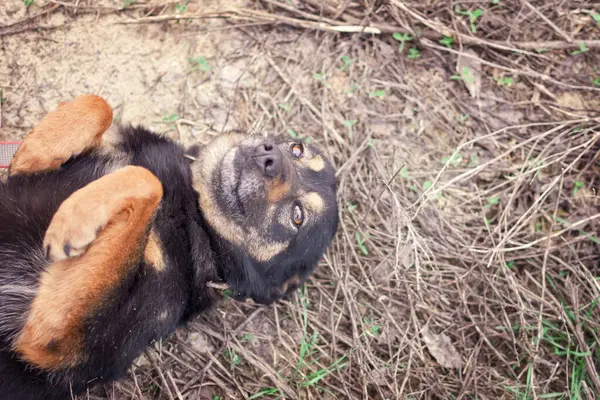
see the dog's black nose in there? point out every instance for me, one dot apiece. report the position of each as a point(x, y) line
point(268, 158)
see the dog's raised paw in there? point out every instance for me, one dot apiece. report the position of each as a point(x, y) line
point(70, 233)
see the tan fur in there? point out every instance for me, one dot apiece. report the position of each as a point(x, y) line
point(277, 190)
point(121, 204)
point(315, 163)
point(153, 253)
point(72, 128)
point(313, 201)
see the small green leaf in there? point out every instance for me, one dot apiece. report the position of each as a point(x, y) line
point(413, 53)
point(201, 63)
point(466, 75)
point(495, 2)
point(493, 200)
point(349, 124)
point(427, 184)
point(346, 62)
point(361, 243)
point(234, 358)
point(510, 264)
point(247, 337)
point(293, 133)
point(504, 81)
point(375, 329)
point(351, 207)
point(285, 107)
point(596, 17)
point(404, 172)
point(576, 186)
point(319, 76)
point(447, 41)
point(182, 7)
point(455, 159)
point(170, 118)
point(582, 49)
point(473, 16)
point(402, 37)
point(377, 93)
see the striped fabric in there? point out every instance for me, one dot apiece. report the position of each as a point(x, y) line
point(7, 151)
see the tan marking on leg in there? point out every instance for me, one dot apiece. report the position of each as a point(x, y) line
point(153, 253)
point(72, 128)
point(94, 240)
point(313, 201)
point(315, 163)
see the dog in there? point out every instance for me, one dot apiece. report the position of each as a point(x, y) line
point(110, 238)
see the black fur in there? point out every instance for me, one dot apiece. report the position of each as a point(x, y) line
point(128, 322)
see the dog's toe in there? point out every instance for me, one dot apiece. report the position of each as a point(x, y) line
point(67, 249)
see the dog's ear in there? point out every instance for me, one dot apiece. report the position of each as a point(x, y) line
point(249, 280)
point(267, 284)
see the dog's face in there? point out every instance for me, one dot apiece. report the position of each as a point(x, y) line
point(274, 202)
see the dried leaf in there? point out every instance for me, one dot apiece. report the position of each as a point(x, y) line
point(571, 100)
point(442, 349)
point(469, 70)
point(406, 255)
point(199, 342)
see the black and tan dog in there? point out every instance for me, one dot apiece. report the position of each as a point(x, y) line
point(108, 241)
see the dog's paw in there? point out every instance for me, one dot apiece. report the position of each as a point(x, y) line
point(71, 232)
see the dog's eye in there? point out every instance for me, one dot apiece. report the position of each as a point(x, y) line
point(297, 150)
point(298, 215)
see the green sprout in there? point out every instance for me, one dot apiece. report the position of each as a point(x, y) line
point(402, 38)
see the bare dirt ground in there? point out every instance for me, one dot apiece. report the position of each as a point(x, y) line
point(466, 140)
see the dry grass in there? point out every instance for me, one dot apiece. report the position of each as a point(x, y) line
point(466, 265)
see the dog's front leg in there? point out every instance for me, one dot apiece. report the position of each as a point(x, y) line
point(74, 127)
point(95, 238)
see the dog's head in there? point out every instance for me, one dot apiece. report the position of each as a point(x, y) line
point(271, 206)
